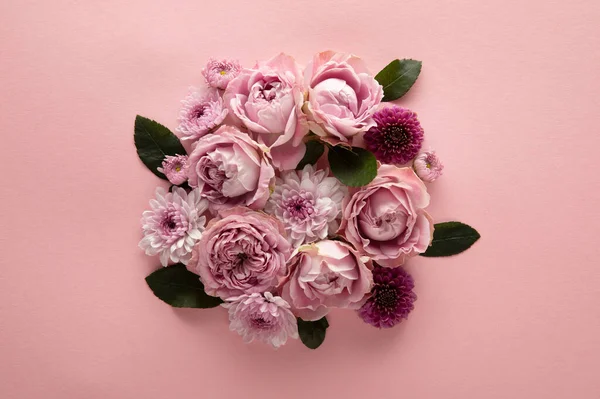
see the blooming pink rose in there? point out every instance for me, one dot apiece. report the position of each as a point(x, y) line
point(342, 96)
point(245, 252)
point(327, 274)
point(386, 219)
point(268, 101)
point(229, 168)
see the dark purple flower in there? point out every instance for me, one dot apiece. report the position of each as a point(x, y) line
point(398, 136)
point(391, 297)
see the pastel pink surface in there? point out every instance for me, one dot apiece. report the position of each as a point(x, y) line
point(509, 97)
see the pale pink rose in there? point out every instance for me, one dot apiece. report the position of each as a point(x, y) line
point(245, 252)
point(386, 220)
point(342, 97)
point(229, 168)
point(268, 101)
point(327, 274)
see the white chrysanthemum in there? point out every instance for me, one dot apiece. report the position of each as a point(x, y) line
point(309, 204)
point(202, 111)
point(262, 317)
point(174, 224)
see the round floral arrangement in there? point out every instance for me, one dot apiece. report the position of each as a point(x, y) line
point(298, 191)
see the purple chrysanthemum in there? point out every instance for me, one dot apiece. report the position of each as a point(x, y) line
point(174, 168)
point(391, 297)
point(201, 112)
point(398, 136)
point(218, 74)
point(428, 166)
point(262, 317)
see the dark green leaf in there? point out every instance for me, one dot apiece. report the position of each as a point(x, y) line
point(153, 142)
point(312, 333)
point(451, 238)
point(398, 77)
point(314, 150)
point(354, 168)
point(180, 288)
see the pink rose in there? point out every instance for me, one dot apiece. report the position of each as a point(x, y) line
point(342, 96)
point(386, 220)
point(245, 252)
point(327, 274)
point(268, 101)
point(230, 169)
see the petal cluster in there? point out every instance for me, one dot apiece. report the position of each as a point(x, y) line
point(391, 299)
point(267, 100)
point(229, 169)
point(262, 317)
point(174, 167)
point(428, 166)
point(201, 112)
point(342, 96)
point(218, 74)
point(325, 275)
point(173, 225)
point(308, 202)
point(386, 220)
point(244, 252)
point(397, 136)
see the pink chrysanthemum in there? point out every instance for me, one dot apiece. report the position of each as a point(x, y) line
point(174, 168)
point(174, 224)
point(398, 136)
point(391, 298)
point(265, 318)
point(218, 74)
point(201, 112)
point(428, 166)
point(308, 202)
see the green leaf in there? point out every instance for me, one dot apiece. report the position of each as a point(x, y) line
point(451, 238)
point(180, 288)
point(398, 77)
point(312, 333)
point(314, 150)
point(354, 168)
point(153, 142)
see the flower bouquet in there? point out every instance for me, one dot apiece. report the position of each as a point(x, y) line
point(300, 191)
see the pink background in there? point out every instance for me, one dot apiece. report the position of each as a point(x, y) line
point(509, 96)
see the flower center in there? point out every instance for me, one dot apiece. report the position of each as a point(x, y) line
point(223, 72)
point(396, 137)
point(386, 297)
point(169, 224)
point(299, 207)
point(269, 91)
point(388, 217)
point(198, 112)
point(261, 323)
point(211, 173)
point(241, 258)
